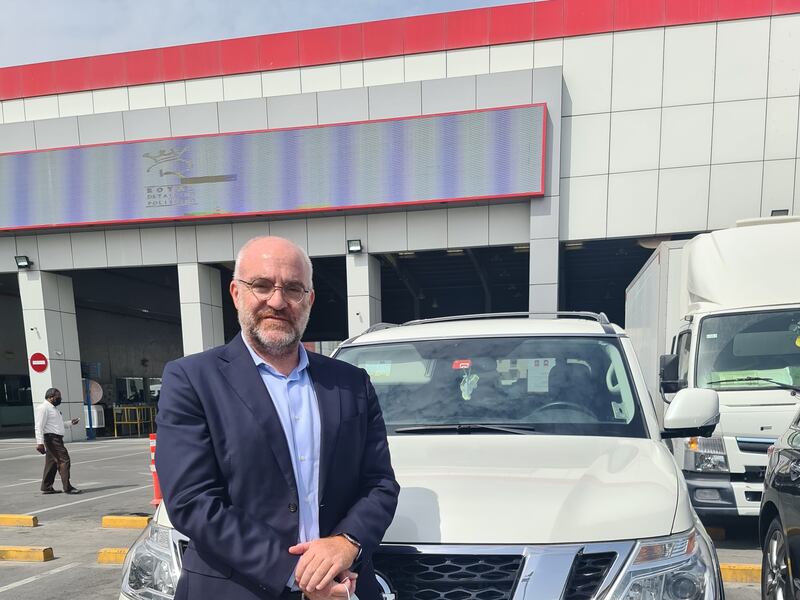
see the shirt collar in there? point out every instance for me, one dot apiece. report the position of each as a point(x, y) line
point(295, 374)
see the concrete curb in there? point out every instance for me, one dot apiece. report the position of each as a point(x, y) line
point(111, 556)
point(126, 521)
point(736, 573)
point(26, 553)
point(18, 521)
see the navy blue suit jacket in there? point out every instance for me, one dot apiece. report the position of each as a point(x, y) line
point(226, 474)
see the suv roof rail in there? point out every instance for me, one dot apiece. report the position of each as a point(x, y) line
point(600, 318)
point(370, 329)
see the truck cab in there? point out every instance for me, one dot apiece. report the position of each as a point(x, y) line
point(751, 357)
point(722, 312)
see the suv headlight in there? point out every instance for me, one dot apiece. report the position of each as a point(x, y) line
point(705, 455)
point(151, 569)
point(681, 567)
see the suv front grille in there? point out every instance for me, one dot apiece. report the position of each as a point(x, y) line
point(588, 573)
point(449, 576)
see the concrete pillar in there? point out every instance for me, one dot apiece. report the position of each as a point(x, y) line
point(200, 291)
point(363, 292)
point(48, 312)
point(543, 293)
point(543, 296)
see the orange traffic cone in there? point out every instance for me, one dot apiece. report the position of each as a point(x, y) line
point(156, 487)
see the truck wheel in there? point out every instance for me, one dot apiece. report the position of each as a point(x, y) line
point(775, 578)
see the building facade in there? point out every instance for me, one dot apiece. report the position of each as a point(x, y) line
point(520, 157)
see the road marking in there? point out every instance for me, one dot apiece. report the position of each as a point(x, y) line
point(28, 580)
point(21, 483)
point(38, 512)
point(84, 462)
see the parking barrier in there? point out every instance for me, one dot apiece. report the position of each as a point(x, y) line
point(18, 521)
point(111, 556)
point(126, 521)
point(26, 553)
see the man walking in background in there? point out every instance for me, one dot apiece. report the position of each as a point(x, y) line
point(50, 425)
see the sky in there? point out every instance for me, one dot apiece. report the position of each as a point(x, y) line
point(41, 30)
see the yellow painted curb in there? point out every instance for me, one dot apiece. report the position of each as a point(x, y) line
point(26, 553)
point(111, 556)
point(735, 573)
point(126, 521)
point(18, 521)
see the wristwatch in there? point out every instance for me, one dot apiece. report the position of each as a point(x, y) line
point(355, 543)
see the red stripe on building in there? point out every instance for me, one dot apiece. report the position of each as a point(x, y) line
point(377, 39)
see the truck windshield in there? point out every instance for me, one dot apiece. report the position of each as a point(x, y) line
point(569, 386)
point(740, 351)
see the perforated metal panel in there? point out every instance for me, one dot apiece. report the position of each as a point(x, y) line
point(479, 154)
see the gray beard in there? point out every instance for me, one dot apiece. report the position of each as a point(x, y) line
point(283, 346)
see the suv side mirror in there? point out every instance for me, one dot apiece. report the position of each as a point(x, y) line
point(668, 374)
point(694, 412)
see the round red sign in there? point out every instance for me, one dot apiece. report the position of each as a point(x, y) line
point(38, 362)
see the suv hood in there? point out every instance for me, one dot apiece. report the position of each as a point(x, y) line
point(531, 489)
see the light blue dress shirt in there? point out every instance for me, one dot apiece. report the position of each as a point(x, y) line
point(296, 403)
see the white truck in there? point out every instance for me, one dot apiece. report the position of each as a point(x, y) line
point(722, 312)
point(531, 466)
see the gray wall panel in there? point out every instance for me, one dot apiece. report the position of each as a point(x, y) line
point(101, 129)
point(89, 250)
point(55, 251)
point(448, 95)
point(194, 119)
point(326, 236)
point(243, 115)
point(159, 247)
point(57, 133)
point(214, 243)
point(509, 223)
point(292, 111)
point(146, 124)
point(544, 261)
point(504, 89)
point(427, 229)
point(17, 137)
point(397, 100)
point(124, 248)
point(343, 106)
point(547, 84)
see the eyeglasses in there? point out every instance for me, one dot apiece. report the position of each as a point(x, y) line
point(264, 289)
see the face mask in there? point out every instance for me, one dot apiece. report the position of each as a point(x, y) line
point(57, 402)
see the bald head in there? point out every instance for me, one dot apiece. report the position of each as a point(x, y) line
point(270, 249)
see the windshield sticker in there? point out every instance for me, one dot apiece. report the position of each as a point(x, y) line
point(378, 369)
point(539, 374)
point(468, 384)
point(462, 364)
point(711, 336)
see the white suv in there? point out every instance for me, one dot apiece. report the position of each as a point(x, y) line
point(531, 465)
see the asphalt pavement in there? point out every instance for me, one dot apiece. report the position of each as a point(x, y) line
point(115, 478)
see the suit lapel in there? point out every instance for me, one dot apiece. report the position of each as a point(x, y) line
point(329, 401)
point(242, 375)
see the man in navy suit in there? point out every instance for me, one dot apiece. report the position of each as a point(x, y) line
point(273, 460)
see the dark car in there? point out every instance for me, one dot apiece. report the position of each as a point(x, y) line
point(779, 522)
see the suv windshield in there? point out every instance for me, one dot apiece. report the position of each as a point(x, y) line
point(740, 351)
point(563, 385)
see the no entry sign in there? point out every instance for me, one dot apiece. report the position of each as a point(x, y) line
point(38, 362)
